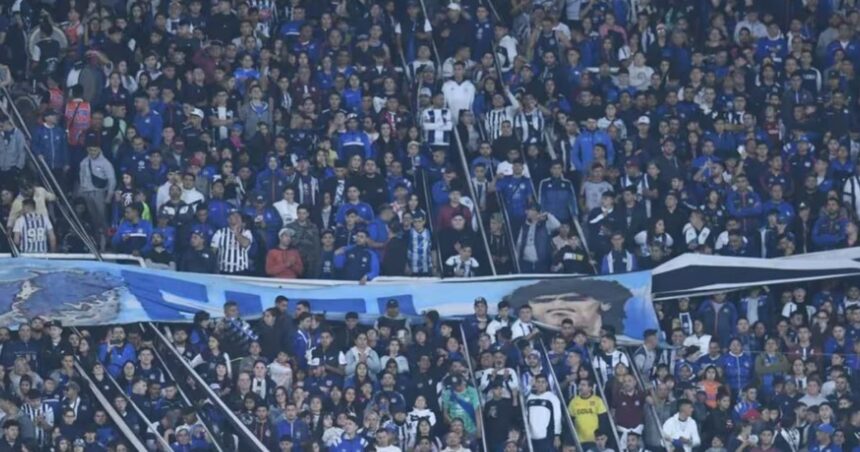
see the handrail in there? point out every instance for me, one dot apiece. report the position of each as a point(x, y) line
point(527, 431)
point(13, 247)
point(47, 178)
point(556, 387)
point(110, 410)
point(573, 215)
point(515, 254)
point(237, 424)
point(602, 386)
point(150, 426)
point(419, 172)
point(181, 391)
point(509, 237)
point(428, 199)
point(464, 162)
point(480, 414)
point(432, 40)
point(475, 200)
point(649, 407)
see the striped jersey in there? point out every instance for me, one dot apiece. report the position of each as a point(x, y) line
point(529, 126)
point(232, 256)
point(437, 124)
point(458, 265)
point(34, 228)
point(42, 436)
point(494, 118)
point(418, 252)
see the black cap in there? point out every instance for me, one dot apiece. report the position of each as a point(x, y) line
point(392, 303)
point(351, 315)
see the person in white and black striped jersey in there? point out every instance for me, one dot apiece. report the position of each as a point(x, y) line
point(231, 244)
point(462, 264)
point(437, 123)
point(33, 232)
point(500, 113)
point(529, 122)
point(42, 416)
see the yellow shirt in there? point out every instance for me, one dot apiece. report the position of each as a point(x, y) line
point(585, 412)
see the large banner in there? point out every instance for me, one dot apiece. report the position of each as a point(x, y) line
point(84, 293)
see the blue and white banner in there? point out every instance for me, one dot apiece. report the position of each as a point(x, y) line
point(84, 293)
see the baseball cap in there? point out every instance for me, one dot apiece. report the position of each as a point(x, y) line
point(454, 6)
point(197, 112)
point(643, 120)
point(826, 428)
point(287, 231)
point(392, 303)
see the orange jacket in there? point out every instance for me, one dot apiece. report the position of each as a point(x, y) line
point(286, 264)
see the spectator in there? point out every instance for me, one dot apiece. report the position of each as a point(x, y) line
point(133, 233)
point(232, 244)
point(12, 152)
point(284, 261)
point(49, 143)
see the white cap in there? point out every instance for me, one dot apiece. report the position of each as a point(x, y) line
point(197, 112)
point(644, 120)
point(453, 6)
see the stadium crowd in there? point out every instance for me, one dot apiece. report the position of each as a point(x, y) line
point(351, 139)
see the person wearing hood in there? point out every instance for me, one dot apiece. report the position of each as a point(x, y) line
point(97, 182)
point(12, 153)
point(255, 112)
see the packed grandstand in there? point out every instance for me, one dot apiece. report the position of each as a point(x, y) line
point(352, 143)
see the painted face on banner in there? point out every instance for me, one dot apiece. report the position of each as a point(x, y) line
point(583, 310)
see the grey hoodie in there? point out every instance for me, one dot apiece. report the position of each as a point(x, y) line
point(12, 152)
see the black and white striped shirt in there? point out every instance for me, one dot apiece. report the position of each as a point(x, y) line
point(529, 126)
point(232, 256)
point(437, 124)
point(42, 436)
point(494, 118)
point(34, 228)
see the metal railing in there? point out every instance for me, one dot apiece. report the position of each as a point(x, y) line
point(480, 414)
point(47, 177)
point(166, 368)
point(555, 386)
point(601, 385)
point(151, 426)
point(646, 389)
point(110, 410)
point(238, 426)
point(464, 162)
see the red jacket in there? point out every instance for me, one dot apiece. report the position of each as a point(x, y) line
point(285, 264)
